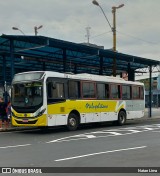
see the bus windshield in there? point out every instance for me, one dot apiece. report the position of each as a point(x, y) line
point(25, 95)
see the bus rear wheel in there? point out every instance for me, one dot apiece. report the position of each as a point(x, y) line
point(121, 118)
point(72, 123)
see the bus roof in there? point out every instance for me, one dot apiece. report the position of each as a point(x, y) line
point(85, 76)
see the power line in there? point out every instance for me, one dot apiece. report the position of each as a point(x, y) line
point(101, 34)
point(137, 38)
point(134, 37)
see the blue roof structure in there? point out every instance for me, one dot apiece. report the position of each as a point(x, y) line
point(20, 53)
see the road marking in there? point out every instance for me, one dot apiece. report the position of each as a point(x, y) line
point(90, 136)
point(148, 128)
point(135, 131)
point(92, 154)
point(115, 133)
point(14, 146)
point(108, 133)
point(65, 138)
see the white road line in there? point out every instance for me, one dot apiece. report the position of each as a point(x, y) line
point(135, 131)
point(92, 154)
point(115, 133)
point(148, 129)
point(14, 146)
point(66, 138)
point(110, 132)
point(90, 136)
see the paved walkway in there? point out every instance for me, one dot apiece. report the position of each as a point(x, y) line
point(12, 128)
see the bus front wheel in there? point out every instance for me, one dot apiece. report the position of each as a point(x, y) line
point(121, 118)
point(72, 123)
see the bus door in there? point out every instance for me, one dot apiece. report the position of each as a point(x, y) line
point(56, 102)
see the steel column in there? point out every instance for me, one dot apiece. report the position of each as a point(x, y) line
point(150, 91)
point(4, 69)
point(44, 66)
point(64, 60)
point(12, 58)
point(101, 66)
point(75, 68)
point(131, 75)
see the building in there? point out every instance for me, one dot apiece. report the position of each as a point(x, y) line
point(155, 87)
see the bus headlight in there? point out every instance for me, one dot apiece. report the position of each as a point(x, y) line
point(40, 113)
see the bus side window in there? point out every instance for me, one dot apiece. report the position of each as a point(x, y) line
point(126, 92)
point(49, 90)
point(73, 89)
point(56, 91)
point(101, 91)
point(135, 92)
point(88, 89)
point(115, 91)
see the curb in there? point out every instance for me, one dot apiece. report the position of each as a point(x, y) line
point(12, 128)
point(16, 129)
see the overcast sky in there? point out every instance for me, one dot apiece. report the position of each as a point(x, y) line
point(138, 22)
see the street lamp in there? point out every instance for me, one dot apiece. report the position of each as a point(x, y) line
point(112, 28)
point(36, 29)
point(15, 28)
point(114, 35)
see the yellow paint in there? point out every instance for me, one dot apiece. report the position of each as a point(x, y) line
point(82, 106)
point(22, 114)
point(41, 121)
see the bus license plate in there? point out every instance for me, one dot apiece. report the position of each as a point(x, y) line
point(25, 120)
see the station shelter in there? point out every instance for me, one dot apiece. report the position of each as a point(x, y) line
point(21, 53)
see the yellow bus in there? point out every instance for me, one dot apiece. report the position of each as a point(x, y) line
point(45, 98)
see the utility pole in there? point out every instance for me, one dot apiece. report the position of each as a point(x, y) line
point(113, 30)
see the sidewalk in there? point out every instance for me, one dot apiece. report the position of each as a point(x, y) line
point(13, 128)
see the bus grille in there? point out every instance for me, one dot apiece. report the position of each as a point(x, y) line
point(29, 122)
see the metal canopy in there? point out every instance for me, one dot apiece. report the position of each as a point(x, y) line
point(27, 53)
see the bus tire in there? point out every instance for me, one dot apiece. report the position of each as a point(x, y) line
point(72, 123)
point(121, 118)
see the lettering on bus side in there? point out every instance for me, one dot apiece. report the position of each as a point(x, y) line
point(93, 106)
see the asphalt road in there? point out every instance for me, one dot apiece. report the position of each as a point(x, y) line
point(136, 144)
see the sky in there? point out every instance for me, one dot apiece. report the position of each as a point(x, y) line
point(138, 23)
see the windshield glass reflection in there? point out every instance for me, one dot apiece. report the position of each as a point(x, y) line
point(27, 94)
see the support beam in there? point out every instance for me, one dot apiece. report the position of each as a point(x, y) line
point(44, 66)
point(131, 75)
point(12, 58)
point(4, 69)
point(5, 94)
point(150, 91)
point(64, 60)
point(101, 66)
point(75, 68)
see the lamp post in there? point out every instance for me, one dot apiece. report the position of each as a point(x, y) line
point(114, 8)
point(15, 28)
point(36, 29)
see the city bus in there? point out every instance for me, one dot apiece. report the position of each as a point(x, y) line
point(46, 98)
